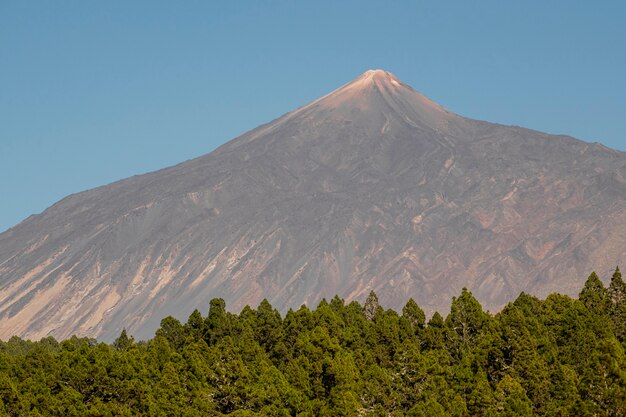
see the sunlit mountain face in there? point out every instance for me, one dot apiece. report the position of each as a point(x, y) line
point(371, 187)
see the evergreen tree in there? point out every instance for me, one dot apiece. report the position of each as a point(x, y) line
point(429, 408)
point(414, 314)
point(172, 330)
point(617, 292)
point(123, 342)
point(604, 381)
point(617, 288)
point(511, 399)
point(195, 325)
point(371, 306)
point(337, 304)
point(432, 336)
point(465, 321)
point(594, 296)
point(522, 356)
point(481, 401)
point(217, 323)
point(268, 326)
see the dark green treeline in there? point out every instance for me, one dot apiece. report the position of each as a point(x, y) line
point(553, 357)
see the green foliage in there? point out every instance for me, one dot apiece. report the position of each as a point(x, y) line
point(617, 293)
point(414, 314)
point(123, 342)
point(465, 321)
point(594, 296)
point(556, 357)
point(371, 306)
point(511, 399)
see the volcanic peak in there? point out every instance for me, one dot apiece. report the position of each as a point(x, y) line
point(379, 80)
point(376, 78)
point(377, 90)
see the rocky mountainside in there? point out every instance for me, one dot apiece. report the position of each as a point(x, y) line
point(372, 187)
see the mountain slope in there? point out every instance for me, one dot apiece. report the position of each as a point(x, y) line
point(373, 186)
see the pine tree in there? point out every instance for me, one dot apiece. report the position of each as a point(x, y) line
point(10, 402)
point(429, 408)
point(432, 336)
point(173, 331)
point(604, 379)
point(371, 306)
point(511, 399)
point(465, 321)
point(414, 314)
point(123, 342)
point(481, 399)
point(617, 292)
point(217, 323)
point(522, 355)
point(195, 325)
point(617, 288)
point(269, 329)
point(594, 296)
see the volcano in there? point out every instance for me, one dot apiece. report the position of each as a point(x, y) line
point(371, 187)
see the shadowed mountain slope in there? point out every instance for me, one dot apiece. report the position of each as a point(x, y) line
point(373, 186)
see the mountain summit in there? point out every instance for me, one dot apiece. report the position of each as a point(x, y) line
point(378, 91)
point(376, 96)
point(371, 187)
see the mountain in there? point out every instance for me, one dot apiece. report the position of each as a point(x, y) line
point(371, 187)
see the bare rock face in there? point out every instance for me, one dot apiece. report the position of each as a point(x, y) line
point(372, 187)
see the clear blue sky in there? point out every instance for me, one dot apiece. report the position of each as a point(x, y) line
point(95, 91)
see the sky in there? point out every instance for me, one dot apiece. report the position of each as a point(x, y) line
point(93, 92)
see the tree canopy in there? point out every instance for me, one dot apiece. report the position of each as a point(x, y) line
point(554, 357)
